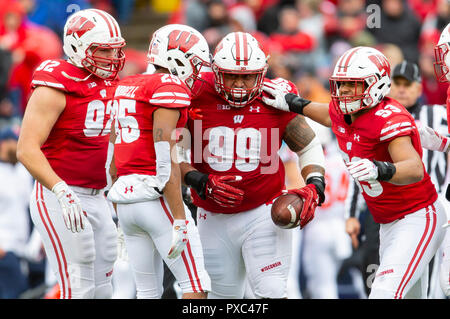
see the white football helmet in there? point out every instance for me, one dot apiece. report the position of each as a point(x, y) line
point(180, 49)
point(88, 31)
point(442, 63)
point(239, 53)
point(361, 65)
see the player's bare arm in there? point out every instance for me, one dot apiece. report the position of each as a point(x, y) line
point(42, 112)
point(301, 138)
point(112, 166)
point(165, 121)
point(408, 163)
point(318, 112)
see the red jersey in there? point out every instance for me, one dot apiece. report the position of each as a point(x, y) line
point(78, 142)
point(369, 137)
point(239, 141)
point(448, 108)
point(137, 97)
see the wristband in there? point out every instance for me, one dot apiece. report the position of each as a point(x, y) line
point(319, 184)
point(386, 170)
point(197, 181)
point(296, 103)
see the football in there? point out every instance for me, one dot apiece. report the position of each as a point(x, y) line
point(286, 211)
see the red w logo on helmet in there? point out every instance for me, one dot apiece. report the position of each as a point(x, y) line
point(381, 63)
point(182, 40)
point(79, 26)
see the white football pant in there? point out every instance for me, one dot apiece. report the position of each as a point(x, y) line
point(406, 247)
point(247, 244)
point(147, 228)
point(82, 262)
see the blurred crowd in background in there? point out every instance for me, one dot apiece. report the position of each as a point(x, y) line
point(304, 38)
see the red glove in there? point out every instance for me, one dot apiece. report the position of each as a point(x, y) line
point(310, 202)
point(218, 189)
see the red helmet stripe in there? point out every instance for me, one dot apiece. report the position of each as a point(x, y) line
point(349, 57)
point(244, 35)
point(111, 33)
point(238, 49)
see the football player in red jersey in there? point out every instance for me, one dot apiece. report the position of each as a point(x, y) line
point(235, 172)
point(63, 144)
point(432, 140)
point(380, 145)
point(157, 226)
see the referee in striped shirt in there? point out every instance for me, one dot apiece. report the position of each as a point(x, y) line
point(407, 89)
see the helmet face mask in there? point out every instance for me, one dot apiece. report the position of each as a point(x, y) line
point(89, 32)
point(367, 71)
point(442, 61)
point(194, 82)
point(442, 57)
point(357, 99)
point(183, 51)
point(101, 66)
point(239, 56)
point(239, 96)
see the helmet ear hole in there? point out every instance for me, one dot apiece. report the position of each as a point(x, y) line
point(74, 48)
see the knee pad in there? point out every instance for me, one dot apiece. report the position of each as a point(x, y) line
point(85, 247)
point(109, 249)
point(271, 288)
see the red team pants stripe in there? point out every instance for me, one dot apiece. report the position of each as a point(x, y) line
point(64, 275)
point(431, 211)
point(183, 255)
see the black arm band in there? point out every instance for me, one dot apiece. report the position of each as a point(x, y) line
point(197, 181)
point(296, 103)
point(319, 183)
point(385, 170)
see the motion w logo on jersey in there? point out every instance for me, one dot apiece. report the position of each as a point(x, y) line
point(238, 119)
point(243, 149)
